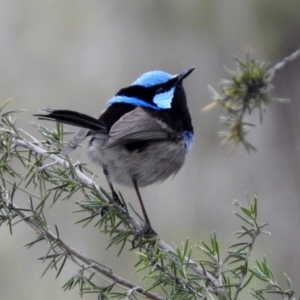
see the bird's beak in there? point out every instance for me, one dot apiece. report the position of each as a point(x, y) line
point(184, 74)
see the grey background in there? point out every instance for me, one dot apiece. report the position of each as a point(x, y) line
point(77, 54)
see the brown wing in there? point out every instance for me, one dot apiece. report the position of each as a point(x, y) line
point(138, 125)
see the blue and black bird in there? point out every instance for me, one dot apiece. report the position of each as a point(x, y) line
point(142, 137)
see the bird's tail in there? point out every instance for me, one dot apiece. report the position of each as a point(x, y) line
point(72, 118)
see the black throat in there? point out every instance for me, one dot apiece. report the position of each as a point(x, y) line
point(178, 116)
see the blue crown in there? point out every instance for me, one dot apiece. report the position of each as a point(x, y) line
point(152, 78)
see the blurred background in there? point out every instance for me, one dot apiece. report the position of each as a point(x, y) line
point(78, 54)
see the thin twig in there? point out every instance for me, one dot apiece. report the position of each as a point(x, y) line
point(69, 250)
point(280, 65)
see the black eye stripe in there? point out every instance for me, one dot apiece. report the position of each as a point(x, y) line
point(145, 93)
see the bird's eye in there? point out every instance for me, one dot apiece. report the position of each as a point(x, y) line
point(160, 90)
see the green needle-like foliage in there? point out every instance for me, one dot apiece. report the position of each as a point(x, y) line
point(166, 271)
point(247, 89)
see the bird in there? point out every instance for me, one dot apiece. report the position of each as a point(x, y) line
point(142, 137)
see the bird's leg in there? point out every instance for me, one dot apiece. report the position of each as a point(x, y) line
point(113, 191)
point(147, 229)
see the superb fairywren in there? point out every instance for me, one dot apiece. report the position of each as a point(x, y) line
point(142, 137)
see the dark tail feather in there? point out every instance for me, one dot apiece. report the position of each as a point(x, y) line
point(72, 118)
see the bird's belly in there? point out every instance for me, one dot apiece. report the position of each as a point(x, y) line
point(155, 163)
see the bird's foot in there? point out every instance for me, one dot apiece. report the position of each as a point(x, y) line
point(146, 232)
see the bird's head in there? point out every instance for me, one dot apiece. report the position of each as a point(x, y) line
point(154, 89)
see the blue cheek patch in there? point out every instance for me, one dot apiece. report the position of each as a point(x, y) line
point(164, 100)
point(133, 101)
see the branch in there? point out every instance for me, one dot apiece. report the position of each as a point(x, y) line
point(280, 65)
point(215, 283)
point(134, 223)
point(168, 267)
point(69, 250)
